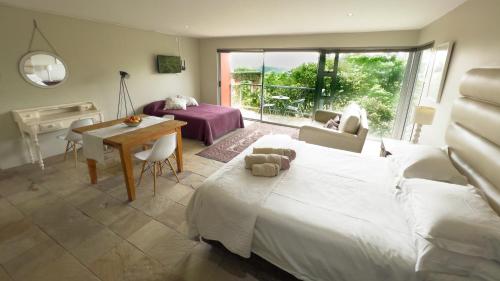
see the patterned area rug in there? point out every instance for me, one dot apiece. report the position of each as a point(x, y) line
point(227, 148)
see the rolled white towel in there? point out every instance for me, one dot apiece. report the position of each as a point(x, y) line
point(282, 161)
point(290, 153)
point(265, 170)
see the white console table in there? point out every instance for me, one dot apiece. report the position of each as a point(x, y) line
point(40, 120)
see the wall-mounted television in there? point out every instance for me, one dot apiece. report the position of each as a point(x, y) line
point(168, 64)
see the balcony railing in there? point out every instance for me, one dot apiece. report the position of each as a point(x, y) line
point(277, 99)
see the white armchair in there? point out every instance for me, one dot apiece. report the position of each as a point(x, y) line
point(319, 135)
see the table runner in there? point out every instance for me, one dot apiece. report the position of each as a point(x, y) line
point(93, 146)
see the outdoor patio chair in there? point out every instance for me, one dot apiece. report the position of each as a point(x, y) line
point(270, 107)
point(296, 107)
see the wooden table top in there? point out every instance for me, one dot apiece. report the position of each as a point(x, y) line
point(137, 136)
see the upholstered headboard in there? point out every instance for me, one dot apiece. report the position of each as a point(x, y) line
point(473, 136)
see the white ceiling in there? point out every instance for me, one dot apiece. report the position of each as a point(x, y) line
point(215, 18)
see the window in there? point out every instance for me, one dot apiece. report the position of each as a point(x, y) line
point(286, 87)
point(420, 84)
point(372, 79)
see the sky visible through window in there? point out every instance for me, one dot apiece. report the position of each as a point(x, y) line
point(276, 61)
point(284, 61)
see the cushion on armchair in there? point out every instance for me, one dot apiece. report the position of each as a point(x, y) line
point(336, 120)
point(333, 123)
point(351, 119)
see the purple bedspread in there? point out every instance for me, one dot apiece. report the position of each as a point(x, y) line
point(205, 122)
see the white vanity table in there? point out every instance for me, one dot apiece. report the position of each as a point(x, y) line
point(40, 120)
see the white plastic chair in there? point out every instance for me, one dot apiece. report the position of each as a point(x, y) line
point(73, 139)
point(168, 117)
point(158, 155)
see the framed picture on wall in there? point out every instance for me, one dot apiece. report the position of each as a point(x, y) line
point(442, 55)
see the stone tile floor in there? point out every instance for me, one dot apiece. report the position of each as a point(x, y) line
point(54, 225)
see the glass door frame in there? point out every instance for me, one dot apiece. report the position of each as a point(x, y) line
point(406, 94)
point(219, 81)
point(406, 87)
point(322, 73)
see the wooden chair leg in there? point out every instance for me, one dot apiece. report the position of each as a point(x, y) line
point(142, 172)
point(75, 153)
point(150, 167)
point(173, 170)
point(154, 178)
point(66, 151)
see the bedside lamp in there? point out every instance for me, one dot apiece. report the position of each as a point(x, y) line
point(424, 115)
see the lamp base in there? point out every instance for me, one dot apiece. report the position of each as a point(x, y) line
point(416, 134)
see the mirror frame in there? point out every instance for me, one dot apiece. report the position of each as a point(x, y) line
point(27, 79)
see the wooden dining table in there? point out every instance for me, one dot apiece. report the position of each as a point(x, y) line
point(125, 142)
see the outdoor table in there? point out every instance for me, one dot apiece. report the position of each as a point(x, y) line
point(280, 97)
point(280, 101)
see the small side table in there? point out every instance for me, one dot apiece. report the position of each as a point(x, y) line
point(389, 146)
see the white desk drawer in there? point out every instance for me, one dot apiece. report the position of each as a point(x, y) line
point(49, 127)
point(30, 115)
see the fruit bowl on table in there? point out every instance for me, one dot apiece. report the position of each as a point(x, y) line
point(133, 121)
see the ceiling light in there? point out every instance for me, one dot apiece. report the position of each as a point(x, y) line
point(186, 26)
point(350, 14)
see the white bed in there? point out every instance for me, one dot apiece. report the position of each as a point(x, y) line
point(335, 215)
point(337, 221)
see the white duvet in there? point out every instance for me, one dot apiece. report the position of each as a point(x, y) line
point(332, 216)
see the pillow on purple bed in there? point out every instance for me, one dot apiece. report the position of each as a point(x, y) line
point(175, 103)
point(190, 101)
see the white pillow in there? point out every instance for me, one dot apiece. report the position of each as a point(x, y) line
point(351, 119)
point(432, 260)
point(190, 101)
point(435, 263)
point(175, 103)
point(450, 277)
point(453, 217)
point(426, 162)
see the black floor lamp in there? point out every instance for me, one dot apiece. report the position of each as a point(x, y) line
point(124, 101)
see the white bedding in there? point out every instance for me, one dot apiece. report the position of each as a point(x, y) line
point(332, 216)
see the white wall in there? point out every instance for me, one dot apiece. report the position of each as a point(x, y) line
point(474, 26)
point(94, 53)
point(208, 49)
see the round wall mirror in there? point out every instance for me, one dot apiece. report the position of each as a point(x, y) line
point(43, 69)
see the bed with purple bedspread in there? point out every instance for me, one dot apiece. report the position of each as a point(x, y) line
point(205, 122)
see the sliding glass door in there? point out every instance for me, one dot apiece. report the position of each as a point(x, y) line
point(286, 87)
point(241, 82)
point(277, 87)
point(289, 84)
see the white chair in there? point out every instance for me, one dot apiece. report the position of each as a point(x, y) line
point(157, 156)
point(73, 139)
point(168, 117)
